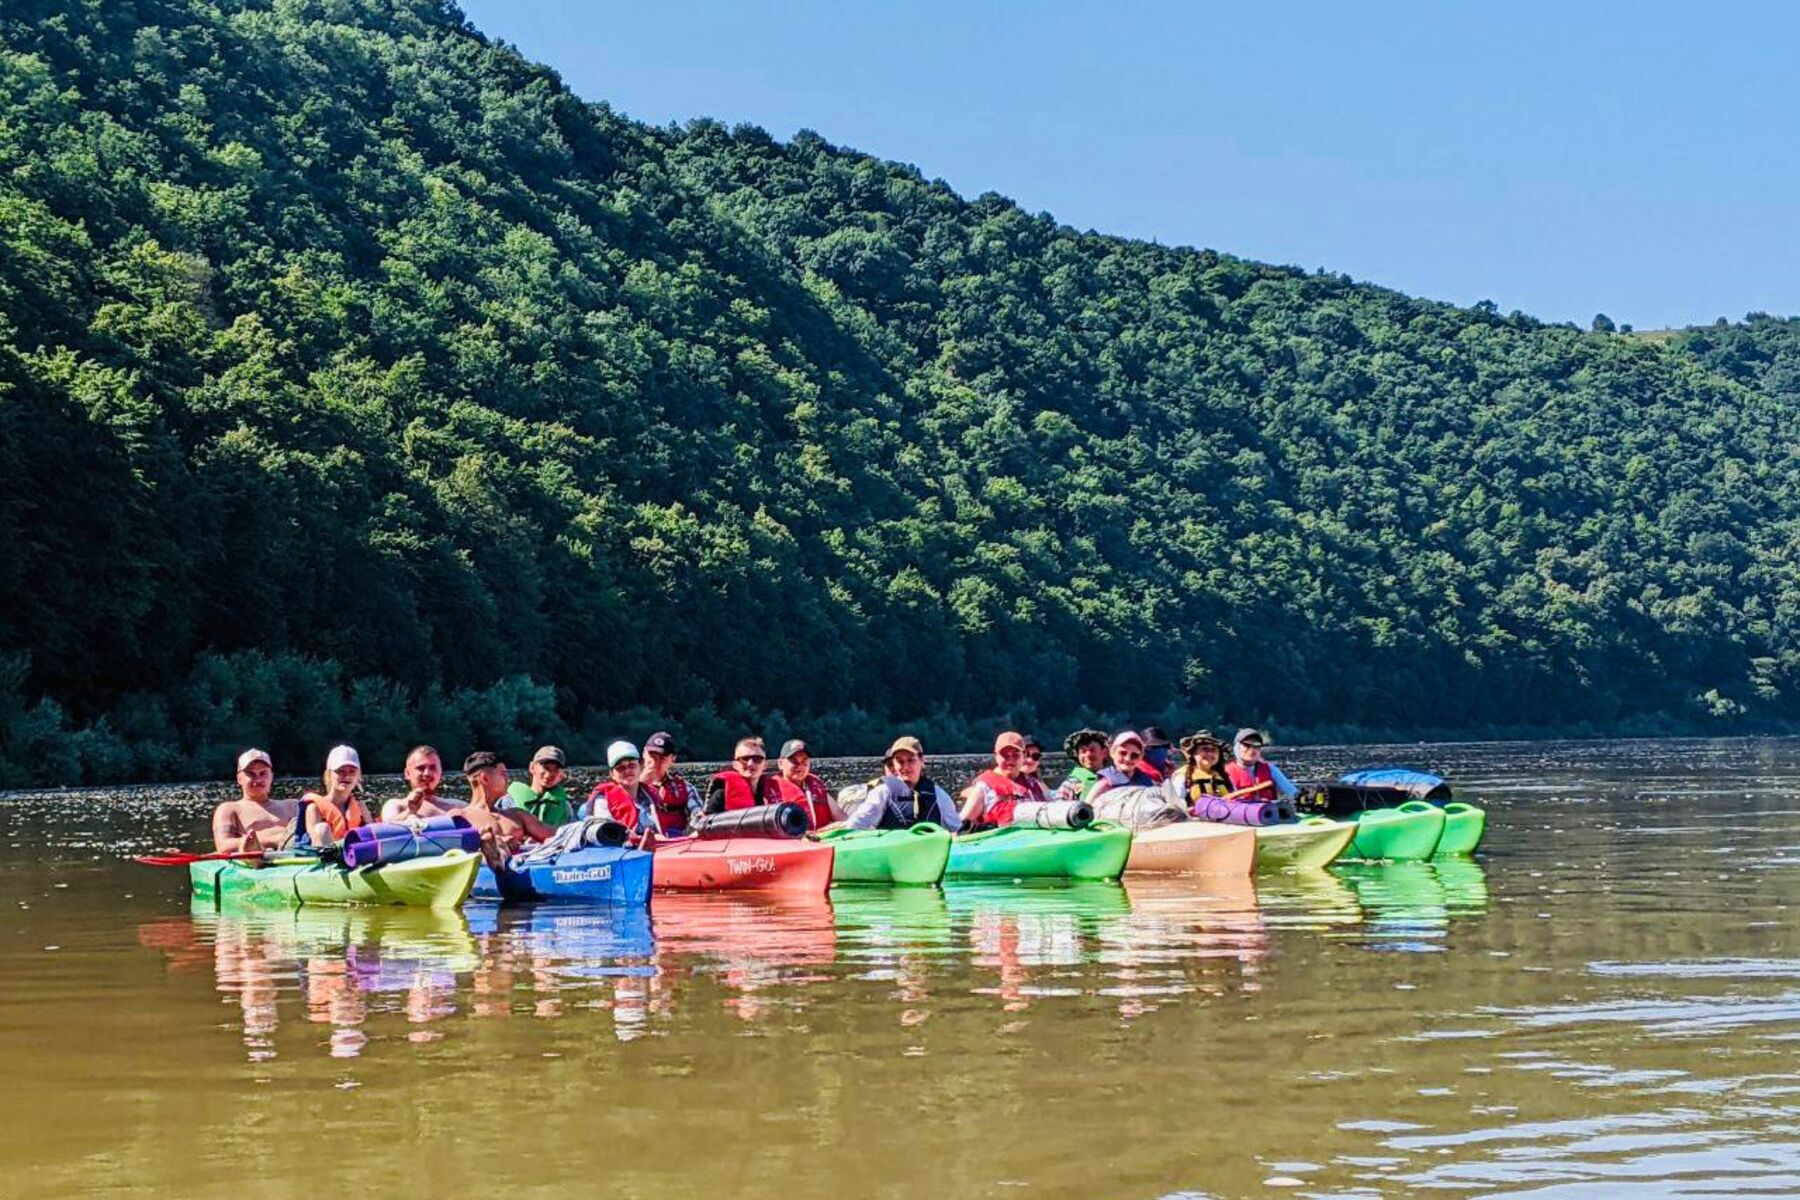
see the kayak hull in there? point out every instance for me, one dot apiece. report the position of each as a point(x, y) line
point(1021, 852)
point(1409, 833)
point(1464, 826)
point(742, 864)
point(440, 881)
point(914, 856)
point(1308, 845)
point(590, 875)
point(1193, 848)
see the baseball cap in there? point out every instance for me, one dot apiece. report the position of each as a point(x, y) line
point(620, 751)
point(550, 754)
point(343, 756)
point(792, 747)
point(255, 756)
point(1248, 735)
point(1123, 736)
point(909, 743)
point(1011, 739)
point(659, 742)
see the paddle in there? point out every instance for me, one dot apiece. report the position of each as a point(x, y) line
point(177, 858)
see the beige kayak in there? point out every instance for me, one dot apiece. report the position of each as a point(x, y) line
point(1194, 848)
point(1305, 845)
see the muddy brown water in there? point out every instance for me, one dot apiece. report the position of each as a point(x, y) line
point(1605, 1002)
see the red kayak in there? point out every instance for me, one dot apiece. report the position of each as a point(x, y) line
point(722, 864)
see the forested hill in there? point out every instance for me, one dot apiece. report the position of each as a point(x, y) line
point(358, 380)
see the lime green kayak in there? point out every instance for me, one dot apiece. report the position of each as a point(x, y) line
point(441, 881)
point(1307, 845)
point(1463, 826)
point(1026, 852)
point(915, 855)
point(1408, 833)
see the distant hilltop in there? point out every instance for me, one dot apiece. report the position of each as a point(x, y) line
point(359, 380)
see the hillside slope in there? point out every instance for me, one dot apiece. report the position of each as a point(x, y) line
point(349, 364)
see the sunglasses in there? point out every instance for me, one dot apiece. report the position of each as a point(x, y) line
point(1128, 755)
point(1033, 755)
point(749, 759)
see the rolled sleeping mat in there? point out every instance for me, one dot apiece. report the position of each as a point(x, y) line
point(849, 798)
point(1137, 807)
point(784, 820)
point(1212, 808)
point(1056, 814)
point(605, 833)
point(384, 843)
point(1252, 812)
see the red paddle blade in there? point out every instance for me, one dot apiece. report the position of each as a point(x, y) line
point(179, 859)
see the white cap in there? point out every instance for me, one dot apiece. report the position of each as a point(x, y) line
point(255, 756)
point(343, 756)
point(618, 752)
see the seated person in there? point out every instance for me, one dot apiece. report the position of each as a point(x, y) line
point(1202, 771)
point(424, 770)
point(742, 784)
point(546, 797)
point(796, 784)
point(1253, 775)
point(503, 830)
point(253, 822)
point(678, 803)
point(905, 796)
point(990, 800)
point(1030, 764)
point(1126, 768)
point(334, 812)
point(1087, 747)
point(622, 795)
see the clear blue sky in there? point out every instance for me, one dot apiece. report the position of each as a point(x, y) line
point(1641, 160)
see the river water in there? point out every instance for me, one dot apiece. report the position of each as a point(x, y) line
point(1604, 1003)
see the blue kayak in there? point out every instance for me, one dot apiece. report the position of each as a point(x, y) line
point(592, 875)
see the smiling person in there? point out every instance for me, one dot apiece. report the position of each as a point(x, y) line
point(677, 801)
point(424, 771)
point(546, 797)
point(622, 795)
point(1029, 765)
point(503, 830)
point(905, 796)
point(796, 783)
point(333, 813)
point(1249, 769)
point(253, 822)
point(1126, 768)
point(990, 800)
point(1088, 748)
point(1202, 771)
point(742, 784)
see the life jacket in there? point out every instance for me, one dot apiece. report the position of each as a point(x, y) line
point(1036, 787)
point(619, 804)
point(1204, 785)
point(813, 797)
point(918, 807)
point(1077, 784)
point(739, 793)
point(670, 799)
point(1243, 775)
point(1008, 792)
point(340, 822)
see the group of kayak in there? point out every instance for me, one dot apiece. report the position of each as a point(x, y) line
point(1128, 804)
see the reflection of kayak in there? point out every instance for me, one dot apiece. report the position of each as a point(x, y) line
point(1085, 899)
point(1194, 848)
point(779, 928)
point(742, 863)
point(1027, 852)
point(1465, 884)
point(1408, 833)
point(1309, 844)
point(596, 874)
point(1463, 826)
point(440, 881)
point(915, 855)
point(1405, 892)
point(1314, 899)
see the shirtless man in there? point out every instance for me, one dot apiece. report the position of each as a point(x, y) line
point(253, 822)
point(502, 830)
point(425, 772)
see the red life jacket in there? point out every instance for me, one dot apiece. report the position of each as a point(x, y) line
point(1009, 792)
point(670, 800)
point(619, 804)
point(813, 797)
point(1257, 774)
point(738, 792)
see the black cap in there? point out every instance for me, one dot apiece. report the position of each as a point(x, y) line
point(481, 760)
point(1154, 736)
point(659, 743)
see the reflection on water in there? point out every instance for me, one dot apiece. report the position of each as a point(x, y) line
point(1605, 1003)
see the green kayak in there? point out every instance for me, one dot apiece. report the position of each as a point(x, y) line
point(1405, 834)
point(1025, 852)
point(441, 881)
point(1463, 826)
point(1306, 845)
point(915, 855)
